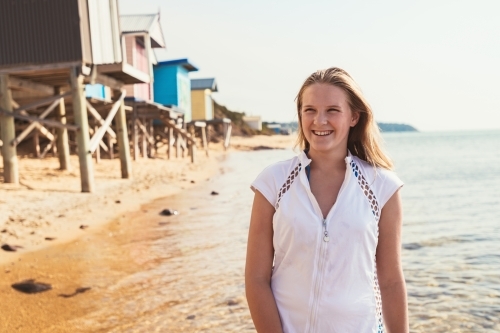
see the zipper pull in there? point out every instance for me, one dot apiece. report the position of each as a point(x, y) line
point(325, 233)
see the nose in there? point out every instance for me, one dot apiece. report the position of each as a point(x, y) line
point(320, 118)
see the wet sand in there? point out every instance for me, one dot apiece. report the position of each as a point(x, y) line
point(147, 272)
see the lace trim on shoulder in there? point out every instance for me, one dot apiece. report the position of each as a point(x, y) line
point(372, 199)
point(289, 181)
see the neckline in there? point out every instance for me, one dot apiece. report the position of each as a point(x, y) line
point(306, 161)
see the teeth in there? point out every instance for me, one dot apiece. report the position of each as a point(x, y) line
point(322, 133)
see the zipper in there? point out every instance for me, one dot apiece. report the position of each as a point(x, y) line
point(318, 281)
point(324, 241)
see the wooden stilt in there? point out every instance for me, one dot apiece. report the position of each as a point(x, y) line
point(111, 147)
point(152, 146)
point(204, 139)
point(54, 146)
point(62, 136)
point(177, 145)
point(8, 133)
point(192, 152)
point(170, 141)
point(228, 136)
point(36, 143)
point(144, 141)
point(224, 134)
point(192, 145)
point(208, 134)
point(122, 138)
point(135, 136)
point(98, 150)
point(82, 136)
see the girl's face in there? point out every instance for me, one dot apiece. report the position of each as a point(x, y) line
point(326, 117)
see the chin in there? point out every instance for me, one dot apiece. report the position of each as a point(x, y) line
point(322, 147)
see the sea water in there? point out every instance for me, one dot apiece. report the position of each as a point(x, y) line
point(191, 276)
point(451, 232)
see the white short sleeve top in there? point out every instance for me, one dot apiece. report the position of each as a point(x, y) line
point(326, 284)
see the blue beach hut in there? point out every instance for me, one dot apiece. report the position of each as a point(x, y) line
point(172, 85)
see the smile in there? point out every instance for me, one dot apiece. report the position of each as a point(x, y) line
point(322, 133)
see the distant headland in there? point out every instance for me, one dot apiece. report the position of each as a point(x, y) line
point(393, 127)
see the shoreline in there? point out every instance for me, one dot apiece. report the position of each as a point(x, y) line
point(48, 209)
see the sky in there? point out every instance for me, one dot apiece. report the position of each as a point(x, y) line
point(431, 64)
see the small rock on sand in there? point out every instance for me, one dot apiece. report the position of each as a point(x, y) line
point(214, 193)
point(11, 248)
point(169, 212)
point(84, 226)
point(118, 201)
point(190, 317)
point(232, 303)
point(31, 287)
point(49, 238)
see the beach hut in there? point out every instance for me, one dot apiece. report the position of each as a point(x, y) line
point(202, 105)
point(274, 127)
point(142, 34)
point(172, 85)
point(50, 50)
point(254, 122)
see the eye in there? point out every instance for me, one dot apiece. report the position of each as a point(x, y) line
point(333, 110)
point(308, 110)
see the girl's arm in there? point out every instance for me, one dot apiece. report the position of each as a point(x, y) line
point(389, 271)
point(260, 254)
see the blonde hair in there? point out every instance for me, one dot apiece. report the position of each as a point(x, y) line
point(364, 139)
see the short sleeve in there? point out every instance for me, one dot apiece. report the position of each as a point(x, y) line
point(389, 186)
point(265, 183)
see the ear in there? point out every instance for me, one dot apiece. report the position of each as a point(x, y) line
point(355, 118)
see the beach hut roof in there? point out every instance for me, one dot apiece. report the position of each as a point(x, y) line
point(202, 84)
point(184, 62)
point(148, 23)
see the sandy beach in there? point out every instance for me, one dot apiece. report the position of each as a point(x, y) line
point(114, 254)
point(47, 208)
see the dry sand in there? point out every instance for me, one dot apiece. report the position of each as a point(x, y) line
point(48, 207)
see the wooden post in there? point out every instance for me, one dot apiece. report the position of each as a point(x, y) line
point(152, 147)
point(36, 143)
point(135, 137)
point(122, 138)
point(8, 133)
point(82, 135)
point(144, 141)
point(192, 152)
point(98, 150)
point(192, 145)
point(204, 139)
point(62, 136)
point(54, 145)
point(228, 136)
point(208, 134)
point(177, 145)
point(170, 141)
point(224, 134)
point(111, 146)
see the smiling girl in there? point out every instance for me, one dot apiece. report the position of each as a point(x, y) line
point(325, 232)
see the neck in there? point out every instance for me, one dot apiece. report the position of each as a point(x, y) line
point(328, 160)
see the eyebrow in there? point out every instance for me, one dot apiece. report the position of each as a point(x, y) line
point(329, 106)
